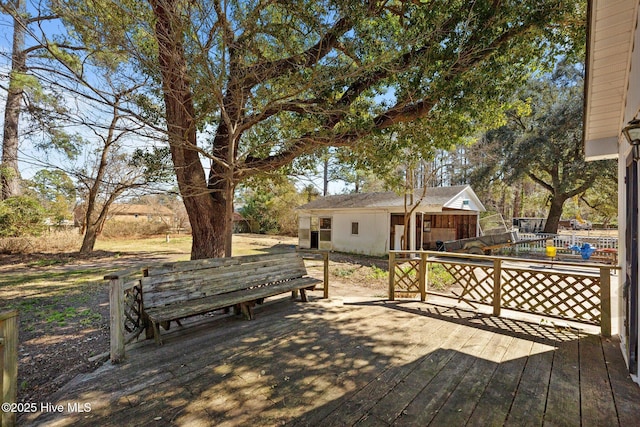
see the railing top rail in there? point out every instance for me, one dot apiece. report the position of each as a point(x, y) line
point(8, 314)
point(131, 273)
point(437, 254)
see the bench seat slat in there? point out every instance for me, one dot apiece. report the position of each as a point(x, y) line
point(173, 291)
point(227, 270)
point(190, 266)
point(222, 274)
point(211, 286)
point(214, 302)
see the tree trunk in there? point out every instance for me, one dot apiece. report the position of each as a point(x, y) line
point(91, 233)
point(517, 201)
point(206, 205)
point(325, 177)
point(9, 171)
point(555, 213)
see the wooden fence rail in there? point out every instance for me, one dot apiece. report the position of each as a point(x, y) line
point(575, 291)
point(8, 364)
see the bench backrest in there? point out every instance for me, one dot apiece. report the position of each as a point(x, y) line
point(186, 280)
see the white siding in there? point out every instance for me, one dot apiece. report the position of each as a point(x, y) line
point(631, 111)
point(304, 232)
point(464, 201)
point(373, 232)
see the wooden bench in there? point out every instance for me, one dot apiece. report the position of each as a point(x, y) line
point(175, 291)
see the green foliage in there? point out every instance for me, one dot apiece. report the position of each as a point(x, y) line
point(542, 142)
point(252, 86)
point(270, 204)
point(21, 216)
point(451, 63)
point(56, 192)
point(439, 278)
point(378, 273)
point(155, 162)
point(343, 272)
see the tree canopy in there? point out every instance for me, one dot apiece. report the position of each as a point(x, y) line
point(542, 141)
point(245, 87)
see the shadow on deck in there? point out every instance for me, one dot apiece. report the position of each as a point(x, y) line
point(359, 363)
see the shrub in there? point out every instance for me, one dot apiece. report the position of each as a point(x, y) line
point(378, 273)
point(116, 229)
point(21, 216)
point(51, 242)
point(439, 278)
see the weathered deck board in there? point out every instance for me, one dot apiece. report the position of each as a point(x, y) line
point(563, 405)
point(493, 406)
point(367, 363)
point(529, 402)
point(597, 405)
point(625, 392)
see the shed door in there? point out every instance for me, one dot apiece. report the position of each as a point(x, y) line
point(324, 241)
point(396, 232)
point(304, 232)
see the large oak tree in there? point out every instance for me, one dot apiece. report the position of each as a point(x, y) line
point(542, 141)
point(249, 86)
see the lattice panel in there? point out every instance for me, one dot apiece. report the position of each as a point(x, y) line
point(476, 281)
point(133, 321)
point(407, 274)
point(569, 296)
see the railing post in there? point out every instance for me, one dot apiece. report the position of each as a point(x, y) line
point(497, 285)
point(422, 279)
point(392, 275)
point(116, 318)
point(325, 258)
point(9, 364)
point(605, 301)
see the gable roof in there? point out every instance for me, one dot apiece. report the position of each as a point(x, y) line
point(436, 197)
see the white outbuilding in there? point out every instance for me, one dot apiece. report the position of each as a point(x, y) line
point(374, 223)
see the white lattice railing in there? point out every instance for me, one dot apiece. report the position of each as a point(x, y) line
point(569, 240)
point(575, 291)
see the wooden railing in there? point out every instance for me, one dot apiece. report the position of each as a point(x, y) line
point(575, 291)
point(324, 256)
point(126, 321)
point(8, 364)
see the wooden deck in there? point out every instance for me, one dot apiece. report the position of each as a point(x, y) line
point(359, 362)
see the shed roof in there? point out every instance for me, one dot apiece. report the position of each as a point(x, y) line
point(437, 197)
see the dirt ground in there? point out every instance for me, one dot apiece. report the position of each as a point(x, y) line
point(63, 305)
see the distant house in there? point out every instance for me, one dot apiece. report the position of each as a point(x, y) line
point(131, 213)
point(140, 213)
point(240, 223)
point(373, 223)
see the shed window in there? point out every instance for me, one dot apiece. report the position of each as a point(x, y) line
point(325, 223)
point(354, 228)
point(325, 229)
